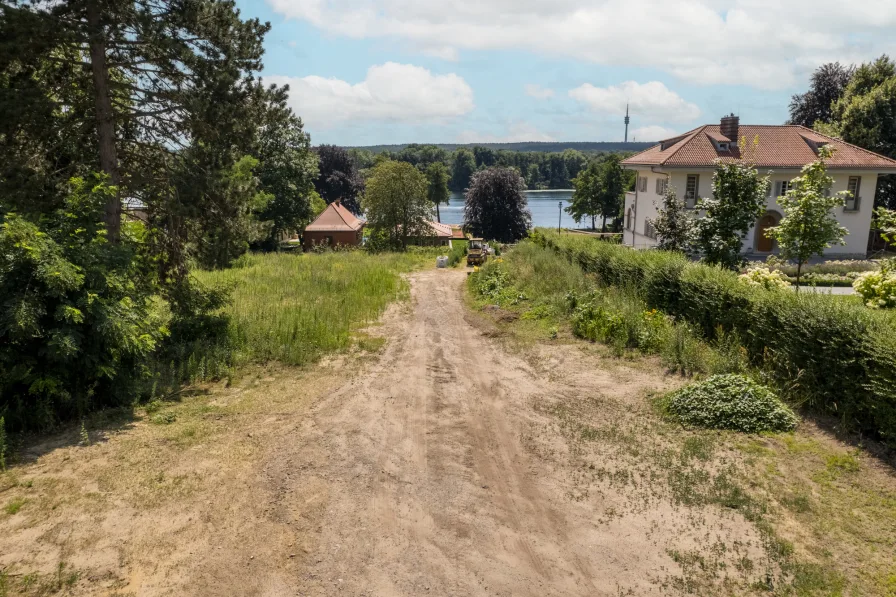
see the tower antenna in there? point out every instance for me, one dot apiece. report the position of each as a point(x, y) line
point(627, 120)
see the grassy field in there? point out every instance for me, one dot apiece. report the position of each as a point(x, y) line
point(296, 308)
point(825, 510)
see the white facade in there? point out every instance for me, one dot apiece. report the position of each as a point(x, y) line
point(641, 206)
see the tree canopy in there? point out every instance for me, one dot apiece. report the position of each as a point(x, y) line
point(738, 200)
point(437, 190)
point(809, 226)
point(338, 177)
point(396, 202)
point(826, 86)
point(862, 111)
point(673, 224)
point(495, 206)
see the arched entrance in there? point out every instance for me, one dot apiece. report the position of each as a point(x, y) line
point(763, 243)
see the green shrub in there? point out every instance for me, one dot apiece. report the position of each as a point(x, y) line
point(458, 252)
point(78, 315)
point(765, 278)
point(835, 356)
point(731, 402)
point(878, 289)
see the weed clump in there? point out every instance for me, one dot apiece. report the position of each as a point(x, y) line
point(731, 402)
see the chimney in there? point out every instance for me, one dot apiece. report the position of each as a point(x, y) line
point(731, 127)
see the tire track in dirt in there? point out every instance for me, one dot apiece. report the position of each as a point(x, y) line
point(428, 436)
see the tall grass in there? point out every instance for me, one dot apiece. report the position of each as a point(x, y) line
point(544, 285)
point(295, 308)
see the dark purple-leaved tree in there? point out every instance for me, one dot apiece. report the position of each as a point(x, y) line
point(827, 85)
point(338, 177)
point(496, 208)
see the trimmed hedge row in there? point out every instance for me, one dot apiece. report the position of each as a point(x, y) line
point(832, 355)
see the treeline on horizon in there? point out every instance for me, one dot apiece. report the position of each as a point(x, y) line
point(540, 169)
point(543, 146)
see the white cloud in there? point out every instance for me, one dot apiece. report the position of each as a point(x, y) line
point(390, 92)
point(648, 100)
point(652, 133)
point(448, 53)
point(517, 132)
point(539, 92)
point(762, 43)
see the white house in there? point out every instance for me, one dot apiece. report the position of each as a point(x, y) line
point(687, 163)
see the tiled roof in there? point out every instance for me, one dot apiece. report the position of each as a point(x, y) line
point(441, 230)
point(334, 219)
point(786, 146)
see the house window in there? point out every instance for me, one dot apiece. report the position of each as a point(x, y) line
point(782, 186)
point(853, 186)
point(649, 230)
point(724, 146)
point(642, 184)
point(661, 184)
point(628, 219)
point(690, 191)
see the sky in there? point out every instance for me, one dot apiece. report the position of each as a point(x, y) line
point(367, 72)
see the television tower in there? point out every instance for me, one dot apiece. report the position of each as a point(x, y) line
point(627, 120)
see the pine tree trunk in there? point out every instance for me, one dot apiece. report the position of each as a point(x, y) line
point(438, 215)
point(105, 125)
point(799, 269)
point(603, 227)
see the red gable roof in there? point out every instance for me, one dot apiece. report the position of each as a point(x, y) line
point(335, 218)
point(787, 146)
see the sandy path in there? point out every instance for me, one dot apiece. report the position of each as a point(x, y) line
point(428, 488)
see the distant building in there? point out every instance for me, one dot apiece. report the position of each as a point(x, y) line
point(336, 225)
point(687, 163)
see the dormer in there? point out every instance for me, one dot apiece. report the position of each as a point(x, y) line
point(816, 143)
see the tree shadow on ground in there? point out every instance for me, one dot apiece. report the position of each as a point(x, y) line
point(871, 446)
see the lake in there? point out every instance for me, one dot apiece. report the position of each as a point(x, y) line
point(542, 204)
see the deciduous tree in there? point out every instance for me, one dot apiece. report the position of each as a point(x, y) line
point(673, 224)
point(809, 226)
point(396, 202)
point(827, 85)
point(338, 178)
point(495, 206)
point(738, 201)
point(462, 168)
point(437, 191)
point(586, 196)
point(286, 171)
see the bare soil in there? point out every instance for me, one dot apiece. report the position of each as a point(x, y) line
point(449, 464)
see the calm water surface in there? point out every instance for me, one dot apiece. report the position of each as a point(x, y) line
point(542, 204)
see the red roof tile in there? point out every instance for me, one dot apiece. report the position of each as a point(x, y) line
point(335, 218)
point(786, 146)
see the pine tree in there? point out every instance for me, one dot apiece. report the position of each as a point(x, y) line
point(155, 76)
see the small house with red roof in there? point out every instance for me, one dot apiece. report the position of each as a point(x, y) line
point(687, 162)
point(336, 225)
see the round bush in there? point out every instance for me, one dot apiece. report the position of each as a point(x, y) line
point(731, 402)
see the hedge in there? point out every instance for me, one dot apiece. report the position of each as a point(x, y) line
point(831, 355)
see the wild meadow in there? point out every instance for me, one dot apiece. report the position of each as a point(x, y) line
point(295, 308)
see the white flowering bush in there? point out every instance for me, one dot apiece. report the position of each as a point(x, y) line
point(878, 289)
point(762, 276)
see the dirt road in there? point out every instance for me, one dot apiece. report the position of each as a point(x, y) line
point(447, 465)
point(426, 484)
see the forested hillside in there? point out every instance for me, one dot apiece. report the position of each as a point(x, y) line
point(544, 146)
point(541, 169)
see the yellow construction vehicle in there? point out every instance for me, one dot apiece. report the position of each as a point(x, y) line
point(477, 252)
